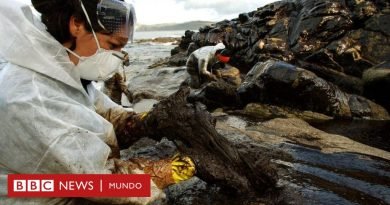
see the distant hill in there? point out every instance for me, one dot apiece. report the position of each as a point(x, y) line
point(192, 25)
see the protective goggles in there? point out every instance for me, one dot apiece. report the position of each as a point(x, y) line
point(117, 17)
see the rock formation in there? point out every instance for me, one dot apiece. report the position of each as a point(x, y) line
point(337, 41)
point(216, 158)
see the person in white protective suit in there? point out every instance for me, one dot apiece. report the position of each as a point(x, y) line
point(53, 120)
point(201, 61)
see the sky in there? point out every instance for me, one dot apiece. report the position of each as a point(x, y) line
point(178, 11)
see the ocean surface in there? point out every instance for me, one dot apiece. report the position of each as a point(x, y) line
point(154, 34)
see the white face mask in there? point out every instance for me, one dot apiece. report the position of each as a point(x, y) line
point(101, 65)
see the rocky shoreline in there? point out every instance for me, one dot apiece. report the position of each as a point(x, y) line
point(330, 53)
point(312, 99)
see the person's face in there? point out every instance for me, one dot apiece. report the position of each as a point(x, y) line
point(86, 43)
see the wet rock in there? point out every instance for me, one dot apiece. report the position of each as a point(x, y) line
point(279, 83)
point(361, 10)
point(150, 149)
point(216, 94)
point(229, 74)
point(376, 80)
point(216, 158)
point(336, 40)
point(347, 83)
point(179, 54)
point(347, 55)
point(179, 59)
point(159, 63)
point(317, 23)
point(220, 93)
point(243, 18)
point(342, 165)
point(175, 51)
point(266, 112)
point(331, 167)
point(302, 133)
point(196, 191)
point(186, 39)
point(278, 131)
point(372, 133)
point(191, 48)
point(360, 50)
point(379, 23)
point(316, 162)
point(191, 189)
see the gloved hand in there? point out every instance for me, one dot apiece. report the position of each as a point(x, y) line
point(169, 171)
point(218, 65)
point(211, 77)
point(183, 168)
point(129, 128)
point(136, 122)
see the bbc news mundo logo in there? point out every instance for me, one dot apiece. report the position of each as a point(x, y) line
point(79, 185)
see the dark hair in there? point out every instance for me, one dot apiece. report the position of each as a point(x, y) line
point(56, 15)
point(224, 52)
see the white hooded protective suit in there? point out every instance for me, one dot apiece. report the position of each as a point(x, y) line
point(205, 57)
point(200, 62)
point(48, 121)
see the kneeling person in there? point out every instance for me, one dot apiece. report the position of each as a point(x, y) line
point(200, 63)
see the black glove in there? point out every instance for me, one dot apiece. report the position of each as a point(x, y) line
point(217, 65)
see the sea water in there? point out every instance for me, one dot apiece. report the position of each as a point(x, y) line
point(138, 35)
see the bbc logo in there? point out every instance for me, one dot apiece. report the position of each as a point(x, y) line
point(33, 185)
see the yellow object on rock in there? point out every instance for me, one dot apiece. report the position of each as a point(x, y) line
point(143, 115)
point(183, 168)
point(166, 172)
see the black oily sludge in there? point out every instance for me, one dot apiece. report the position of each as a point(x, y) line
point(338, 41)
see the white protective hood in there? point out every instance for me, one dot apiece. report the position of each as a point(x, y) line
point(23, 43)
point(48, 121)
point(207, 52)
point(44, 108)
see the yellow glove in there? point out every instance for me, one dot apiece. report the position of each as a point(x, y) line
point(143, 115)
point(183, 168)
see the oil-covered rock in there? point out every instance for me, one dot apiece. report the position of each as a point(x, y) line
point(338, 41)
